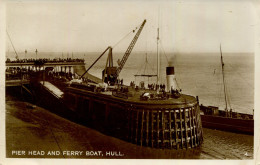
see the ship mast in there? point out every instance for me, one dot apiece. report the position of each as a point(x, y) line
point(223, 76)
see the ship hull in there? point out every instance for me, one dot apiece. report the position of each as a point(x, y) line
point(228, 124)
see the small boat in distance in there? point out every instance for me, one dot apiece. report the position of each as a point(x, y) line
point(226, 120)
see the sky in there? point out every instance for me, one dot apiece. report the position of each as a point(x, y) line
point(92, 26)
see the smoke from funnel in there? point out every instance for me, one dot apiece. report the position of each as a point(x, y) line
point(172, 60)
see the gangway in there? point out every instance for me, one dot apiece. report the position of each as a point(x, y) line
point(52, 89)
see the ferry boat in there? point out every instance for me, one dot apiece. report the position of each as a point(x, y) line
point(226, 120)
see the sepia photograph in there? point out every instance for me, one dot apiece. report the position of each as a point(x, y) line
point(129, 80)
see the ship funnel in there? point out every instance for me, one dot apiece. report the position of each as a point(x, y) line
point(171, 80)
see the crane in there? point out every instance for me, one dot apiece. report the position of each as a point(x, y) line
point(111, 73)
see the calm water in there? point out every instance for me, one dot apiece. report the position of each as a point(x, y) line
point(197, 74)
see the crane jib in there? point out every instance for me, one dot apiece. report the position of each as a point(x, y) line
point(111, 71)
point(129, 50)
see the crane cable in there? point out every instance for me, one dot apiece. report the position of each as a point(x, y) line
point(12, 43)
point(132, 31)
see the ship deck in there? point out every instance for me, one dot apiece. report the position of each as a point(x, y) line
point(135, 97)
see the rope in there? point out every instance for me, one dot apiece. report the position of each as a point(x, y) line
point(145, 63)
point(151, 68)
point(122, 39)
point(164, 51)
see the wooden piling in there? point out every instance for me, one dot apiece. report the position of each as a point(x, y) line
point(158, 129)
point(181, 128)
point(152, 127)
point(132, 124)
point(152, 121)
point(186, 129)
point(129, 123)
point(194, 126)
point(90, 106)
point(163, 129)
point(147, 128)
point(197, 125)
point(176, 130)
point(191, 128)
point(142, 126)
point(107, 112)
point(170, 128)
point(136, 129)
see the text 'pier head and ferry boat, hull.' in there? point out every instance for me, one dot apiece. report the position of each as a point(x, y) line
point(159, 117)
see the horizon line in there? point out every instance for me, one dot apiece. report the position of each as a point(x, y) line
point(65, 52)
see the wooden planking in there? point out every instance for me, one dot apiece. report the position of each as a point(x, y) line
point(142, 128)
point(132, 124)
point(147, 128)
point(152, 121)
point(158, 129)
point(107, 112)
point(90, 106)
point(129, 124)
point(170, 127)
point(136, 128)
point(163, 128)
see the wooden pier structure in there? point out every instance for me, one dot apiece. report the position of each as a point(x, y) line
point(74, 67)
point(172, 123)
